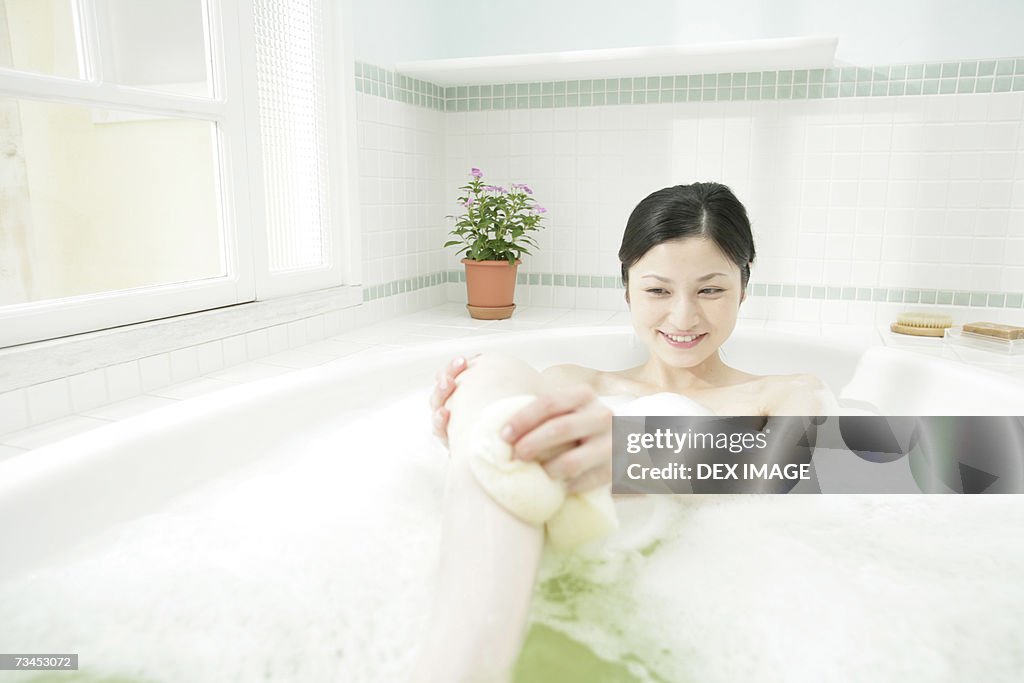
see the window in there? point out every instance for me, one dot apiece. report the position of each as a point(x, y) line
point(163, 157)
point(293, 112)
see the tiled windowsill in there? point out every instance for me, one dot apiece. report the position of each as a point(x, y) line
point(446, 321)
point(29, 364)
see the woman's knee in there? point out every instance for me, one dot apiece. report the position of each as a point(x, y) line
point(489, 377)
point(500, 370)
point(499, 361)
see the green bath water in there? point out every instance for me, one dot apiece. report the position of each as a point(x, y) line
point(81, 677)
point(566, 595)
point(570, 596)
point(550, 656)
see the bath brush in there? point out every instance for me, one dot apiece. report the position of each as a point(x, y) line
point(922, 324)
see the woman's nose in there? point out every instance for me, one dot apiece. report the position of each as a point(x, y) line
point(686, 314)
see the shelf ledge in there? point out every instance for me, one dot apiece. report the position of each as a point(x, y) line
point(725, 57)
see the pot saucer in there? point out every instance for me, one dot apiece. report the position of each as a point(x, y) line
point(491, 312)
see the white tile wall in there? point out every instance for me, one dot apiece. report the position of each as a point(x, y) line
point(924, 192)
point(401, 185)
point(88, 390)
point(13, 411)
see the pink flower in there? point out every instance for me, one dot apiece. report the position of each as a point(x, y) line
point(469, 202)
point(540, 209)
point(475, 172)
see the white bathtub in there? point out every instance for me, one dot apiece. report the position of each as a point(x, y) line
point(125, 477)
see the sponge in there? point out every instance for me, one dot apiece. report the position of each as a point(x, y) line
point(583, 517)
point(525, 489)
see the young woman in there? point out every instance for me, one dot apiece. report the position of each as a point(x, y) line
point(686, 255)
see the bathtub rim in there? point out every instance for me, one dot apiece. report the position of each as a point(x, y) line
point(70, 450)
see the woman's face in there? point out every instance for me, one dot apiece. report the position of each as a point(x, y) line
point(684, 288)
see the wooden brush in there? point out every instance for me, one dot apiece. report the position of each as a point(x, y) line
point(921, 324)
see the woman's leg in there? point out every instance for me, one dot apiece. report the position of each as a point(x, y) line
point(489, 557)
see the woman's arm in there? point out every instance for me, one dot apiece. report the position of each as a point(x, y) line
point(568, 431)
point(582, 471)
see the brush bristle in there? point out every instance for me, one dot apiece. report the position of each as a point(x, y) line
point(920, 319)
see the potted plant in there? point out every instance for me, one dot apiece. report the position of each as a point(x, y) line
point(494, 232)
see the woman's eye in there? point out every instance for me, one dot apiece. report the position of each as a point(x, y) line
point(711, 290)
point(656, 291)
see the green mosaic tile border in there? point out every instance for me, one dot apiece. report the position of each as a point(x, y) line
point(409, 284)
point(375, 80)
point(899, 295)
point(942, 297)
point(945, 78)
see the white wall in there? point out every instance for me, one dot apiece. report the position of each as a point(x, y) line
point(916, 192)
point(401, 189)
point(395, 30)
point(870, 31)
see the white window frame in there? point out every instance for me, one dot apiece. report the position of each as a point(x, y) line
point(234, 109)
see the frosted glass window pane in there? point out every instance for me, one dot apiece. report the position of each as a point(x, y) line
point(38, 36)
point(98, 200)
point(290, 75)
point(156, 45)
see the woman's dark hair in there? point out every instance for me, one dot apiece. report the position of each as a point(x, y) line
point(708, 210)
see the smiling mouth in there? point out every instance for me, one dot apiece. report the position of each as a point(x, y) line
point(683, 342)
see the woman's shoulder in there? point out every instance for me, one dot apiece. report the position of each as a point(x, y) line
point(797, 394)
point(800, 379)
point(601, 381)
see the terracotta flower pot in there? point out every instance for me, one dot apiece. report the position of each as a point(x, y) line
point(491, 287)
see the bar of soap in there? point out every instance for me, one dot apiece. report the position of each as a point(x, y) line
point(997, 330)
point(525, 489)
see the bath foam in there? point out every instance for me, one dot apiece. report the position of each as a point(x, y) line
point(525, 489)
point(803, 588)
point(719, 588)
point(276, 573)
point(272, 573)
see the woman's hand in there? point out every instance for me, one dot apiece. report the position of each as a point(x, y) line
point(569, 431)
point(444, 386)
